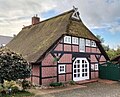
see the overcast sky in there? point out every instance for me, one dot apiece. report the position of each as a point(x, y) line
point(102, 17)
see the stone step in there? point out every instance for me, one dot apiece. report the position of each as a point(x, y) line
point(86, 81)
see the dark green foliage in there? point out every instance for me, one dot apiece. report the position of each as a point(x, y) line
point(100, 38)
point(113, 53)
point(15, 89)
point(72, 82)
point(13, 66)
point(110, 52)
point(26, 84)
point(55, 84)
point(18, 94)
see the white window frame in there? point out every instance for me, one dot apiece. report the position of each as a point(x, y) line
point(67, 39)
point(74, 40)
point(59, 68)
point(92, 67)
point(82, 45)
point(96, 66)
point(88, 42)
point(93, 44)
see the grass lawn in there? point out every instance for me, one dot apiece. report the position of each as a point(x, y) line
point(19, 94)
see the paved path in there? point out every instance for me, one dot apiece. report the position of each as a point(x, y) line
point(55, 90)
point(102, 88)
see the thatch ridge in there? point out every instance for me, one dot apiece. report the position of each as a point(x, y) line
point(50, 18)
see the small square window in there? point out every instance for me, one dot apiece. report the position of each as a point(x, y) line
point(87, 42)
point(96, 66)
point(61, 69)
point(67, 39)
point(93, 44)
point(74, 40)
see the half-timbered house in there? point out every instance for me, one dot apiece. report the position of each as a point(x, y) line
point(60, 49)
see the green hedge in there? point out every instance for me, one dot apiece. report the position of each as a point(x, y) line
point(55, 84)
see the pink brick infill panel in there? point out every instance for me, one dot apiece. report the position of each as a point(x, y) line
point(75, 48)
point(48, 60)
point(94, 75)
point(35, 70)
point(68, 77)
point(68, 68)
point(93, 58)
point(94, 50)
point(66, 58)
point(59, 47)
point(35, 80)
point(67, 47)
point(88, 49)
point(98, 51)
point(102, 58)
point(48, 81)
point(61, 78)
point(49, 71)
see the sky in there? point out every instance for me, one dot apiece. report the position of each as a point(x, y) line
point(102, 17)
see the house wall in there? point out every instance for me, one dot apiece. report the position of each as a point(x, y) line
point(65, 53)
point(35, 74)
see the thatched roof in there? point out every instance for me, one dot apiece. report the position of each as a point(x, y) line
point(33, 41)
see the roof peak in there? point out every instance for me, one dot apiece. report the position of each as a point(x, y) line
point(67, 12)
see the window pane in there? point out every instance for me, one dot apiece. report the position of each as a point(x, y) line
point(82, 61)
point(82, 74)
point(74, 66)
point(82, 45)
point(92, 67)
point(61, 68)
point(74, 70)
point(78, 75)
point(74, 75)
point(87, 42)
point(67, 39)
point(93, 44)
point(96, 66)
point(82, 70)
point(78, 61)
point(74, 40)
point(78, 66)
point(82, 65)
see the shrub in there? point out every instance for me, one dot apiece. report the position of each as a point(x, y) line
point(3, 92)
point(13, 66)
point(55, 84)
point(8, 84)
point(15, 89)
point(72, 82)
point(26, 84)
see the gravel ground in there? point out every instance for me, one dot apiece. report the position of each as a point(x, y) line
point(92, 90)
